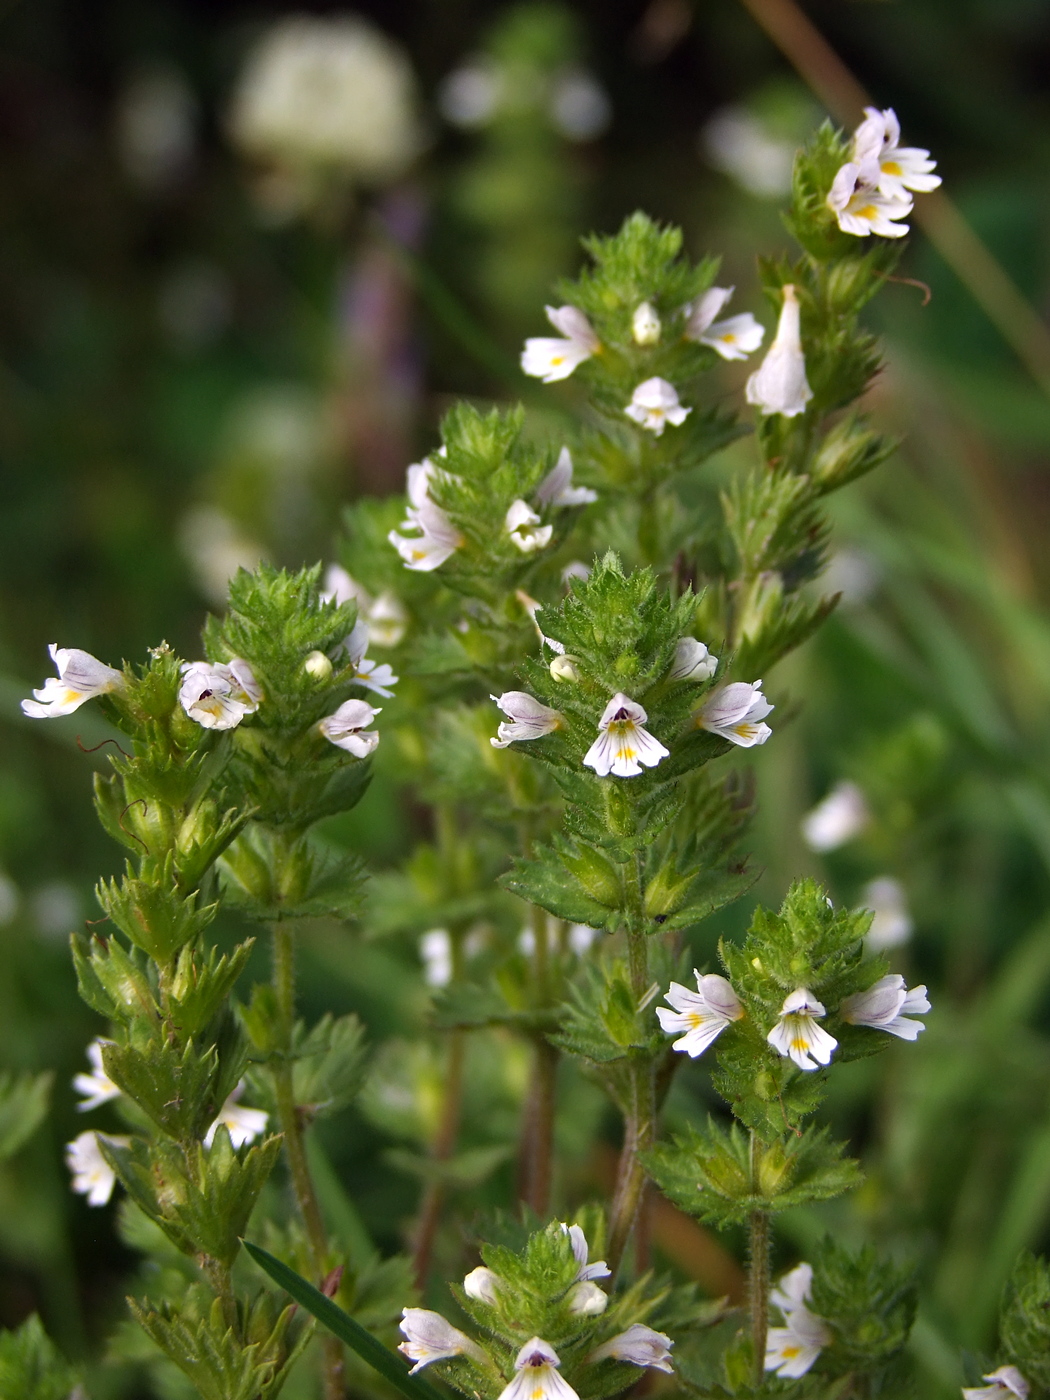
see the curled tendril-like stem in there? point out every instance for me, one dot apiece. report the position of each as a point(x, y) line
point(132, 834)
point(96, 748)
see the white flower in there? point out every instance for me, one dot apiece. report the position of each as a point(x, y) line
point(563, 668)
point(703, 1015)
point(576, 568)
point(528, 717)
point(482, 1285)
point(428, 1337)
point(586, 1299)
point(347, 728)
point(556, 488)
point(623, 747)
point(792, 1289)
point(385, 615)
point(735, 712)
point(551, 359)
point(692, 661)
point(330, 93)
point(369, 674)
point(654, 404)
point(792, 1350)
point(523, 525)
point(1006, 1381)
point(317, 665)
point(243, 1124)
point(797, 1036)
point(438, 539)
point(861, 208)
point(899, 168)
point(639, 1346)
point(892, 924)
point(219, 696)
point(841, 815)
point(883, 1007)
point(645, 324)
point(734, 338)
point(538, 1378)
point(93, 1177)
point(779, 385)
point(81, 676)
point(97, 1087)
point(435, 948)
point(585, 1271)
point(581, 937)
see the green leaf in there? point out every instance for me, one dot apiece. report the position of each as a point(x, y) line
point(552, 887)
point(30, 1365)
point(24, 1101)
point(380, 1358)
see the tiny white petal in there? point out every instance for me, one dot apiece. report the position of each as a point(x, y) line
point(892, 923)
point(586, 1299)
point(692, 661)
point(556, 488)
point(736, 337)
point(243, 1124)
point(779, 385)
point(700, 314)
point(435, 948)
point(97, 1087)
point(93, 1177)
point(482, 1285)
point(523, 525)
point(639, 1346)
point(645, 324)
point(654, 404)
point(835, 820)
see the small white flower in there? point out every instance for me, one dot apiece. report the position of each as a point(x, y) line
point(892, 924)
point(317, 666)
point(792, 1289)
point(428, 1337)
point(523, 525)
point(639, 1346)
point(93, 1177)
point(371, 675)
point(735, 712)
point(97, 1087)
point(347, 728)
point(551, 359)
point(792, 1350)
point(581, 938)
point(385, 615)
point(556, 488)
point(883, 1007)
point(563, 668)
point(797, 1036)
point(779, 385)
point(435, 948)
point(581, 1252)
point(841, 815)
point(703, 1015)
point(900, 168)
point(654, 404)
point(243, 1124)
point(482, 1285)
point(219, 696)
point(623, 747)
point(438, 538)
point(692, 661)
point(538, 1378)
point(734, 338)
point(576, 568)
point(1006, 1381)
point(861, 208)
point(81, 676)
point(529, 718)
point(586, 1299)
point(645, 324)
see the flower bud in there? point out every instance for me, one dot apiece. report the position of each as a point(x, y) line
point(598, 876)
point(645, 325)
point(318, 666)
point(563, 668)
point(665, 893)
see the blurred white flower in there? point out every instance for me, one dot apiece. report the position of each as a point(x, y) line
point(435, 950)
point(654, 404)
point(586, 1299)
point(792, 1349)
point(581, 938)
point(523, 525)
point(551, 359)
point(645, 324)
point(330, 94)
point(438, 538)
point(797, 1036)
point(883, 1007)
point(386, 616)
point(469, 95)
point(215, 548)
point(556, 488)
point(97, 1087)
point(779, 385)
point(1005, 1381)
point(854, 573)
point(734, 338)
point(892, 924)
point(156, 127)
point(579, 106)
point(738, 144)
point(55, 908)
point(836, 819)
point(244, 1125)
point(93, 1177)
point(372, 675)
point(81, 677)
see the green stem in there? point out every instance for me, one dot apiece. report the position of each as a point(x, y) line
point(536, 1145)
point(221, 1280)
point(444, 1145)
point(758, 1276)
point(294, 1141)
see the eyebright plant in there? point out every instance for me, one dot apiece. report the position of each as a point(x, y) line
point(573, 656)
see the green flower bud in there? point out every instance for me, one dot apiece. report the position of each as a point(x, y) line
point(666, 893)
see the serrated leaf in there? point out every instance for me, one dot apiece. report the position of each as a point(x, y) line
point(553, 888)
point(24, 1101)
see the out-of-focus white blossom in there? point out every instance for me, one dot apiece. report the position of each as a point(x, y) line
point(736, 142)
point(556, 488)
point(438, 538)
point(892, 923)
point(836, 819)
point(97, 1087)
point(243, 1124)
point(523, 526)
point(645, 324)
point(551, 359)
point(470, 95)
point(435, 949)
point(215, 548)
point(734, 338)
point(93, 1177)
point(792, 1349)
point(654, 404)
point(692, 661)
point(579, 106)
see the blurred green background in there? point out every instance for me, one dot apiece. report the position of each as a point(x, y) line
point(199, 365)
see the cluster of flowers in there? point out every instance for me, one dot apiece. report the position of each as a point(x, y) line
point(220, 696)
point(624, 746)
point(438, 539)
point(93, 1177)
point(870, 193)
point(704, 1014)
point(428, 1337)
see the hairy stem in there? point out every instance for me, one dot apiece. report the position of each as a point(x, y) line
point(444, 1145)
point(758, 1275)
point(221, 1280)
point(640, 1125)
point(536, 1144)
point(294, 1142)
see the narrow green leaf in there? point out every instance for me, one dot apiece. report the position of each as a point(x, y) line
point(380, 1358)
